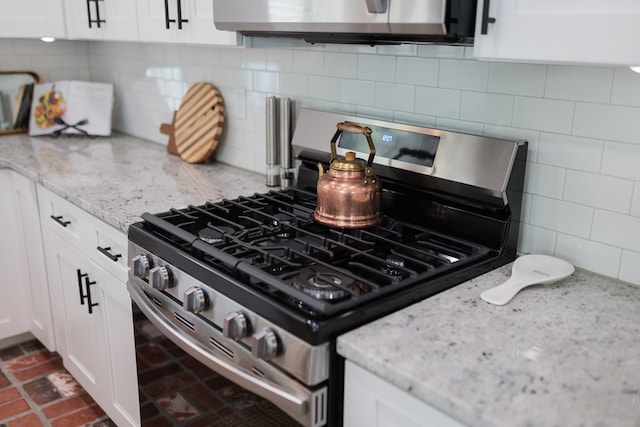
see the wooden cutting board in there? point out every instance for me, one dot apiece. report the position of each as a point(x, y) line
point(198, 123)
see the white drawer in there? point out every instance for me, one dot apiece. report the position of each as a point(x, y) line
point(101, 242)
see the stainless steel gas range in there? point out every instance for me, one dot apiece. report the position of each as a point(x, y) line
point(258, 291)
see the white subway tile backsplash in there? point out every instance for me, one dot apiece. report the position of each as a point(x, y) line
point(609, 122)
point(394, 97)
point(561, 216)
point(340, 65)
point(570, 151)
point(588, 84)
point(414, 119)
point(543, 180)
point(417, 71)
point(377, 68)
point(279, 60)
point(307, 61)
point(629, 271)
point(517, 79)
point(616, 229)
point(486, 108)
point(463, 75)
point(620, 159)
point(267, 81)
point(357, 92)
point(441, 51)
point(543, 114)
point(635, 200)
point(595, 190)
point(599, 258)
point(438, 102)
point(325, 88)
point(626, 87)
point(536, 240)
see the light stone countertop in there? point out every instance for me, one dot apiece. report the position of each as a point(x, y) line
point(120, 177)
point(565, 354)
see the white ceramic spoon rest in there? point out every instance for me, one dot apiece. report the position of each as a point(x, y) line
point(526, 271)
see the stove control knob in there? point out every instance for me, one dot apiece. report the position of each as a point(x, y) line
point(265, 344)
point(235, 326)
point(195, 300)
point(141, 265)
point(160, 278)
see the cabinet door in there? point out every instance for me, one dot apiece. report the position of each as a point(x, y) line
point(101, 19)
point(80, 333)
point(370, 401)
point(116, 305)
point(14, 318)
point(570, 31)
point(182, 21)
point(32, 18)
point(40, 320)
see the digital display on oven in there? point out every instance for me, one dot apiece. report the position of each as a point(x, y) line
point(411, 147)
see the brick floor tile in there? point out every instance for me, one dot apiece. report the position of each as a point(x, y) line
point(13, 408)
point(170, 383)
point(29, 361)
point(11, 353)
point(152, 354)
point(29, 420)
point(41, 391)
point(202, 397)
point(79, 418)
point(64, 382)
point(4, 381)
point(33, 345)
point(40, 370)
point(9, 395)
point(158, 422)
point(176, 406)
point(58, 409)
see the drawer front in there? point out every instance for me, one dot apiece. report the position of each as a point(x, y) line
point(102, 243)
point(109, 249)
point(62, 217)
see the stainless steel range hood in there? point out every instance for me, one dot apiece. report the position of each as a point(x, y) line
point(351, 21)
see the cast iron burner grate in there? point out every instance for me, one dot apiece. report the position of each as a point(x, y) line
point(272, 242)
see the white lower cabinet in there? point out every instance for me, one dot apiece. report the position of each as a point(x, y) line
point(92, 310)
point(25, 201)
point(14, 307)
point(370, 401)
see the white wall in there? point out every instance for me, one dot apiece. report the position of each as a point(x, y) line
point(582, 199)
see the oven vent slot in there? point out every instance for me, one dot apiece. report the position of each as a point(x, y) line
point(319, 408)
point(258, 372)
point(184, 321)
point(217, 344)
point(156, 301)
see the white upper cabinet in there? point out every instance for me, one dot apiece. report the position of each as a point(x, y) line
point(32, 18)
point(568, 31)
point(101, 19)
point(181, 21)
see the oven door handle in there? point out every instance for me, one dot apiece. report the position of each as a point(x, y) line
point(290, 397)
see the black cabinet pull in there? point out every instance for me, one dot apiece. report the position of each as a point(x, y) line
point(97, 21)
point(105, 252)
point(486, 20)
point(90, 304)
point(167, 20)
point(80, 276)
point(60, 221)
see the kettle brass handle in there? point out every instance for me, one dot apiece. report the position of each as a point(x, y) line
point(354, 128)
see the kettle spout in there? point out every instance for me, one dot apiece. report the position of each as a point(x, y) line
point(320, 169)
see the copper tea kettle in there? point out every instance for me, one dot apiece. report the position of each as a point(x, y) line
point(349, 195)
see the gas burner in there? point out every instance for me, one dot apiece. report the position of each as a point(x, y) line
point(214, 236)
point(394, 266)
point(282, 221)
point(323, 283)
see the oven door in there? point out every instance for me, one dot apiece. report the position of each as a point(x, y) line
point(206, 344)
